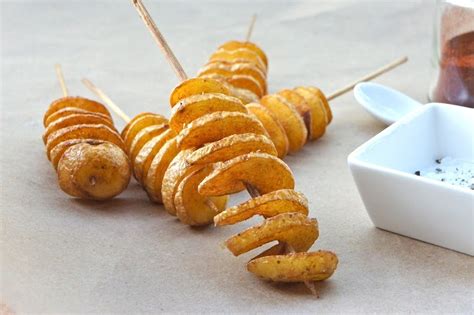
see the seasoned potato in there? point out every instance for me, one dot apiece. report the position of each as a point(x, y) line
point(263, 171)
point(294, 229)
point(217, 125)
point(77, 102)
point(143, 136)
point(143, 160)
point(273, 127)
point(91, 171)
point(58, 151)
point(67, 111)
point(301, 106)
point(226, 69)
point(176, 171)
point(75, 119)
point(234, 44)
point(318, 114)
point(239, 55)
point(132, 122)
point(196, 86)
point(193, 208)
point(137, 124)
point(195, 106)
point(85, 131)
point(231, 147)
point(289, 118)
point(323, 99)
point(245, 96)
point(161, 161)
point(246, 82)
point(268, 205)
point(295, 267)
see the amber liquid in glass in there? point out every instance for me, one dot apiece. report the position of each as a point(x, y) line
point(455, 83)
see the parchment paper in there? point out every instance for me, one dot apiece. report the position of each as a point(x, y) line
point(60, 255)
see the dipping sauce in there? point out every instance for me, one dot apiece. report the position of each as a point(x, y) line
point(453, 171)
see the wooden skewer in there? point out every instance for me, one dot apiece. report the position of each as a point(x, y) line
point(106, 100)
point(62, 82)
point(309, 284)
point(250, 29)
point(155, 32)
point(368, 77)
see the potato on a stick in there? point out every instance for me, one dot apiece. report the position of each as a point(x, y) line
point(84, 147)
point(257, 172)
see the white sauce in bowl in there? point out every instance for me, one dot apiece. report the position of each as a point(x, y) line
point(450, 170)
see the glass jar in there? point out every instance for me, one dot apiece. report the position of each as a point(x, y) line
point(453, 58)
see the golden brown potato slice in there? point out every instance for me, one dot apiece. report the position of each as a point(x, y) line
point(265, 172)
point(143, 136)
point(76, 119)
point(239, 55)
point(177, 170)
point(193, 107)
point(217, 125)
point(77, 102)
point(323, 99)
point(58, 151)
point(245, 96)
point(294, 229)
point(273, 127)
point(231, 147)
point(196, 86)
point(246, 82)
point(96, 172)
point(318, 114)
point(132, 122)
point(85, 131)
point(193, 208)
point(66, 111)
point(301, 106)
point(142, 162)
point(234, 44)
point(136, 125)
point(268, 205)
point(289, 118)
point(295, 267)
point(227, 69)
point(154, 177)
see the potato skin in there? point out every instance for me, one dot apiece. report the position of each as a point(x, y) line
point(77, 102)
point(97, 172)
point(295, 267)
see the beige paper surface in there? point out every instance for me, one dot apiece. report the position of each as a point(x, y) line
point(60, 255)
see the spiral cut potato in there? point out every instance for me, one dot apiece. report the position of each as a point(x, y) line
point(291, 116)
point(214, 147)
point(85, 149)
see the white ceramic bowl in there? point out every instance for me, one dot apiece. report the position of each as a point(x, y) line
point(401, 202)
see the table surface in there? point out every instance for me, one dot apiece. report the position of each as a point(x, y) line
point(128, 255)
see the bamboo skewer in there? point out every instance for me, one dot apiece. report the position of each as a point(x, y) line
point(155, 32)
point(62, 82)
point(368, 77)
point(250, 29)
point(107, 100)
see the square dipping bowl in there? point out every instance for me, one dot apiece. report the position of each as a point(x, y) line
point(399, 201)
